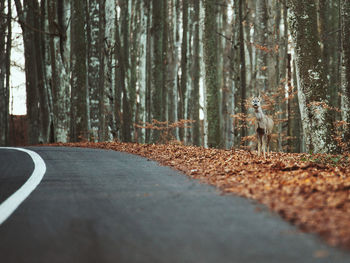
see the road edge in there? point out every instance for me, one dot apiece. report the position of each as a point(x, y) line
point(14, 201)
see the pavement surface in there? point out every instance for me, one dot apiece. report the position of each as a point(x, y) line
point(105, 206)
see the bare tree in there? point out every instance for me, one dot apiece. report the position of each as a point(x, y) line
point(157, 64)
point(261, 45)
point(58, 57)
point(79, 93)
point(312, 83)
point(345, 35)
point(4, 94)
point(211, 74)
point(30, 18)
point(196, 76)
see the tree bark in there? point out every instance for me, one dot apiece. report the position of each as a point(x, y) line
point(93, 32)
point(4, 103)
point(157, 65)
point(183, 83)
point(345, 33)
point(211, 74)
point(261, 42)
point(79, 93)
point(196, 76)
point(312, 83)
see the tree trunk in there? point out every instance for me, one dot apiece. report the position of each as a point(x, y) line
point(183, 83)
point(312, 83)
point(26, 20)
point(196, 77)
point(8, 69)
point(4, 104)
point(59, 63)
point(79, 99)
point(121, 90)
point(242, 73)
point(110, 130)
point(93, 66)
point(261, 45)
point(157, 65)
point(345, 33)
point(211, 74)
point(102, 107)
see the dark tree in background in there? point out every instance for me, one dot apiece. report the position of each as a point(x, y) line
point(196, 76)
point(4, 92)
point(345, 70)
point(79, 98)
point(211, 73)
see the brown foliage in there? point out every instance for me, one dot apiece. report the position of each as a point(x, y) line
point(166, 128)
point(310, 191)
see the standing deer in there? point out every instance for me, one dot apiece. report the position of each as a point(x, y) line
point(263, 127)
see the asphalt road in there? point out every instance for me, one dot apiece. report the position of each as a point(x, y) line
point(106, 206)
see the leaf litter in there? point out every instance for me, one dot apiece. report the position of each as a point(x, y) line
point(310, 191)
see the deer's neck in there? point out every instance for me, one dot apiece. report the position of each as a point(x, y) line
point(259, 114)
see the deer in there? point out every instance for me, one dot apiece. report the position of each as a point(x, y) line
point(263, 127)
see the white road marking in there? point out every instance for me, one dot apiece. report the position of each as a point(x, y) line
point(10, 204)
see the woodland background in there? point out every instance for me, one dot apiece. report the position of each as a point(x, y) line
point(181, 71)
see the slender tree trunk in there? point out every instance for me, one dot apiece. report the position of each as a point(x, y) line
point(173, 58)
point(94, 50)
point(148, 70)
point(242, 74)
point(102, 106)
point(59, 66)
point(109, 69)
point(3, 92)
point(165, 35)
point(26, 20)
point(183, 83)
point(157, 65)
point(312, 83)
point(196, 76)
point(79, 99)
point(261, 44)
point(8, 69)
point(345, 33)
point(125, 115)
point(211, 74)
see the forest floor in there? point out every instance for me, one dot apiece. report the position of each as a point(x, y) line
point(310, 191)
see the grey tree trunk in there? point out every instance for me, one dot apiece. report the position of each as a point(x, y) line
point(196, 76)
point(211, 74)
point(183, 83)
point(58, 60)
point(121, 82)
point(261, 44)
point(94, 65)
point(4, 98)
point(345, 33)
point(38, 119)
point(312, 83)
point(79, 93)
point(157, 65)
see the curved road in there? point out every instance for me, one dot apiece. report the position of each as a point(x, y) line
point(105, 206)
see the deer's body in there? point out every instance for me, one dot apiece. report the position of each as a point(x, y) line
point(263, 128)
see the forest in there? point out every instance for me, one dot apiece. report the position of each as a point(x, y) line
point(181, 71)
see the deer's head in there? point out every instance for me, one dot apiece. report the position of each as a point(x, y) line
point(256, 102)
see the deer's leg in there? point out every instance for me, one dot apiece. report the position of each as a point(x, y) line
point(264, 145)
point(268, 143)
point(260, 140)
